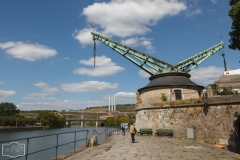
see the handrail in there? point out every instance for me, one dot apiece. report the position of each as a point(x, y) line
point(56, 146)
point(107, 131)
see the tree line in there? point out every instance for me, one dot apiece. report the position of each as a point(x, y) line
point(10, 116)
point(114, 121)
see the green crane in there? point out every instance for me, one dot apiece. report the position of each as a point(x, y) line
point(152, 65)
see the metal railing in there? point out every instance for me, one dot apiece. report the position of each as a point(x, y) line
point(107, 132)
point(56, 146)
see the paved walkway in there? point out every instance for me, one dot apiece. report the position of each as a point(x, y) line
point(154, 148)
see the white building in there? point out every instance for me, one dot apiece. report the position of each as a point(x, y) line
point(230, 80)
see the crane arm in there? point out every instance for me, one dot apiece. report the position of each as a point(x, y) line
point(148, 63)
point(189, 64)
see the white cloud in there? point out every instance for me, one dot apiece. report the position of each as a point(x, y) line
point(29, 52)
point(193, 8)
point(206, 75)
point(214, 1)
point(45, 88)
point(45, 91)
point(1, 82)
point(124, 18)
point(130, 17)
point(88, 86)
point(103, 67)
point(125, 95)
point(143, 74)
point(101, 61)
point(4, 94)
point(145, 42)
point(83, 36)
point(193, 12)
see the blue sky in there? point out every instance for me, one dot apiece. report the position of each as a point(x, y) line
point(46, 49)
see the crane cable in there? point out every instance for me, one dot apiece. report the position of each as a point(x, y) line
point(94, 51)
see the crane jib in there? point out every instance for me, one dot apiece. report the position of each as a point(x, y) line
point(151, 64)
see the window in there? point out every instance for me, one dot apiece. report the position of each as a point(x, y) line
point(178, 94)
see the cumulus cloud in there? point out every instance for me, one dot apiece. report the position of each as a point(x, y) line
point(29, 52)
point(124, 18)
point(88, 86)
point(129, 17)
point(125, 95)
point(45, 91)
point(83, 36)
point(1, 82)
point(4, 94)
point(45, 88)
point(135, 41)
point(206, 75)
point(143, 74)
point(103, 67)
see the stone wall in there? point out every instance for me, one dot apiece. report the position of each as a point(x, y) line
point(154, 96)
point(216, 123)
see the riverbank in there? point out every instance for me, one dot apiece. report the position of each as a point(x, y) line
point(19, 128)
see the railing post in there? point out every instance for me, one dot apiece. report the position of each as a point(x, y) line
point(87, 137)
point(74, 142)
point(56, 147)
point(26, 154)
point(105, 135)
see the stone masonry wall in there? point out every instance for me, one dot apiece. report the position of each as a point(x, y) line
point(214, 123)
point(154, 96)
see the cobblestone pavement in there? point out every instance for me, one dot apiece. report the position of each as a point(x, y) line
point(154, 148)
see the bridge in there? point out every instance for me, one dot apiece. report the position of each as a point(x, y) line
point(82, 120)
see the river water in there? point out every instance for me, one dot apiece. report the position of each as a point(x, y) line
point(41, 143)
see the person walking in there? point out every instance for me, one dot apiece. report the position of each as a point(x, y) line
point(133, 132)
point(123, 129)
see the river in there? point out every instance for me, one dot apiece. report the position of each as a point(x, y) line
point(36, 144)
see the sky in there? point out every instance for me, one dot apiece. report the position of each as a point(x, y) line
point(46, 48)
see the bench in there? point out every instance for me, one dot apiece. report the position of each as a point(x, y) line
point(164, 132)
point(145, 131)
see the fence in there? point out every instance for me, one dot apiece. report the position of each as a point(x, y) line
point(106, 132)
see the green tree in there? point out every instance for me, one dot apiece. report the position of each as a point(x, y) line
point(116, 121)
point(8, 109)
point(234, 13)
point(51, 120)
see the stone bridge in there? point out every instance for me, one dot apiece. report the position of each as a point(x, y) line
point(82, 120)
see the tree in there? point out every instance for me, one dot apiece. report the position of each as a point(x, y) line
point(234, 13)
point(116, 121)
point(8, 109)
point(51, 120)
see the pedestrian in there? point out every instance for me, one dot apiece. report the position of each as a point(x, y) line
point(123, 129)
point(133, 132)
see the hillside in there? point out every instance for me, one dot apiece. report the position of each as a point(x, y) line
point(90, 112)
